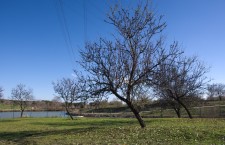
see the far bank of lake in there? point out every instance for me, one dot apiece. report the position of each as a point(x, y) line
point(16, 114)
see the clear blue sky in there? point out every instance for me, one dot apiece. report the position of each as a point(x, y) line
point(33, 41)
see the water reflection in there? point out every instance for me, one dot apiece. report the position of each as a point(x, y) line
point(33, 114)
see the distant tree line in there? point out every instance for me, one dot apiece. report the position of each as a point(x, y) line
point(216, 91)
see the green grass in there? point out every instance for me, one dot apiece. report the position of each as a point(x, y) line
point(8, 107)
point(111, 131)
point(5, 107)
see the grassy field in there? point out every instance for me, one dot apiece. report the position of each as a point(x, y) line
point(5, 107)
point(8, 107)
point(111, 131)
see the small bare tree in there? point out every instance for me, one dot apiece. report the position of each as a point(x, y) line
point(57, 103)
point(56, 99)
point(125, 64)
point(22, 97)
point(216, 91)
point(69, 90)
point(180, 81)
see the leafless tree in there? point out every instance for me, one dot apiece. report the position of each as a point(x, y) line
point(1, 93)
point(22, 96)
point(69, 90)
point(57, 103)
point(167, 103)
point(211, 91)
point(123, 65)
point(216, 91)
point(180, 81)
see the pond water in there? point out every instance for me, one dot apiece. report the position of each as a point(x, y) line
point(33, 114)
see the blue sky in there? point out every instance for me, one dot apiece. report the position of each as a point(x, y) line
point(33, 41)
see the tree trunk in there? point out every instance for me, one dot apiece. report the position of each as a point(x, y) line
point(137, 115)
point(186, 109)
point(67, 111)
point(22, 108)
point(21, 113)
point(177, 110)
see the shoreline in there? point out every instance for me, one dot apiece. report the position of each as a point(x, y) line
point(28, 110)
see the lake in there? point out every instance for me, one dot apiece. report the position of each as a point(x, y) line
point(33, 114)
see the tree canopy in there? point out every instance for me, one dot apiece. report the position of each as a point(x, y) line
point(125, 65)
point(22, 96)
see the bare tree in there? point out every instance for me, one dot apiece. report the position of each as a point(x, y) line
point(180, 81)
point(211, 91)
point(22, 96)
point(168, 103)
point(220, 91)
point(123, 65)
point(216, 91)
point(69, 90)
point(1, 93)
point(56, 99)
point(57, 103)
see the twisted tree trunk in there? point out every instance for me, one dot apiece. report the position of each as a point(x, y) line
point(68, 112)
point(177, 110)
point(21, 113)
point(137, 115)
point(186, 109)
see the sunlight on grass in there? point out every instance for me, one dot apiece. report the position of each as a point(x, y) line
point(111, 131)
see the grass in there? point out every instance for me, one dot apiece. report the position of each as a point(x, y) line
point(111, 131)
point(8, 107)
point(5, 107)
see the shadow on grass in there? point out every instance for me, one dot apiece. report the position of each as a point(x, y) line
point(61, 128)
point(86, 122)
point(8, 120)
point(103, 122)
point(20, 136)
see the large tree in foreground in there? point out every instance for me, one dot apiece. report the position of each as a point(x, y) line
point(124, 65)
point(180, 81)
point(22, 97)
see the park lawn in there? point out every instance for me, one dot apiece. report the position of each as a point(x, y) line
point(8, 107)
point(5, 107)
point(111, 131)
